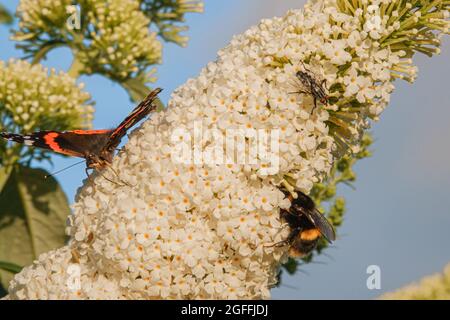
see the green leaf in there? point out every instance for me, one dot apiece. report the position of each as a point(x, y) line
point(137, 91)
point(11, 267)
point(33, 211)
point(291, 266)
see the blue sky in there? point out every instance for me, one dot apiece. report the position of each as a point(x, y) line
point(399, 215)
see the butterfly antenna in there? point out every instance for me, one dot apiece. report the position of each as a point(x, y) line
point(63, 169)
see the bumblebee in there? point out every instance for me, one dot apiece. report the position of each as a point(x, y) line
point(307, 226)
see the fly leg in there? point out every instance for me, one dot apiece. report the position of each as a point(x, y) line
point(304, 67)
point(299, 92)
point(314, 95)
point(315, 105)
point(324, 84)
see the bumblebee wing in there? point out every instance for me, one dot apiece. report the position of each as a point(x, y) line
point(320, 222)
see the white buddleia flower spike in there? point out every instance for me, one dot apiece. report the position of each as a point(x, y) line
point(197, 197)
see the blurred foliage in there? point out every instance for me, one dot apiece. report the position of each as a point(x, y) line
point(5, 16)
point(33, 99)
point(166, 14)
point(341, 173)
point(32, 218)
point(433, 287)
point(112, 38)
point(10, 268)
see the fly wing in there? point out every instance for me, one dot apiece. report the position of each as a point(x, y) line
point(140, 112)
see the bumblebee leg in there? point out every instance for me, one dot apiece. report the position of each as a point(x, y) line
point(287, 241)
point(293, 234)
point(289, 212)
point(276, 244)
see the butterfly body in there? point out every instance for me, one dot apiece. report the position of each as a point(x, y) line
point(97, 147)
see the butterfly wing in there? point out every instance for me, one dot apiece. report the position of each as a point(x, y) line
point(75, 143)
point(140, 112)
point(83, 143)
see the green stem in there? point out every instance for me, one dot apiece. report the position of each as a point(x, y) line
point(76, 68)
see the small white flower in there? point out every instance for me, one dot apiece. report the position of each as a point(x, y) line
point(335, 51)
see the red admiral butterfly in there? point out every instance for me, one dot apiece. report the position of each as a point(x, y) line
point(96, 146)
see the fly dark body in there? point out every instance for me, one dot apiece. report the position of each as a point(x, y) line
point(313, 87)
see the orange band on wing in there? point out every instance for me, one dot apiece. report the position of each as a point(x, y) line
point(50, 141)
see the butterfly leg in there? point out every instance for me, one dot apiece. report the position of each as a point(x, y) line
point(118, 184)
point(89, 176)
point(117, 175)
point(108, 165)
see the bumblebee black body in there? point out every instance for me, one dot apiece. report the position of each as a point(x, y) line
point(307, 226)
